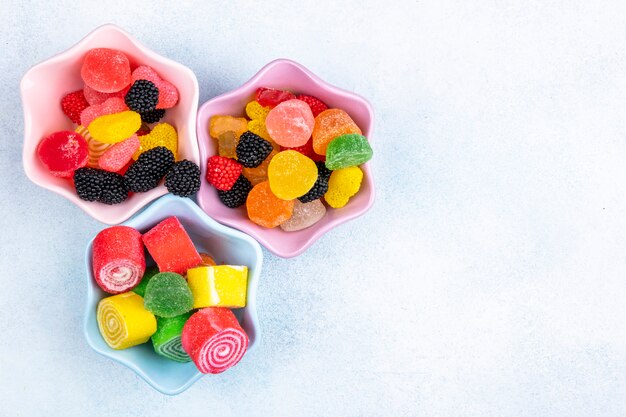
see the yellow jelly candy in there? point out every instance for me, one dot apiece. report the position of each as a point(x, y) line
point(291, 174)
point(221, 124)
point(343, 184)
point(163, 134)
point(255, 111)
point(124, 321)
point(113, 128)
point(258, 128)
point(227, 145)
point(218, 286)
point(258, 174)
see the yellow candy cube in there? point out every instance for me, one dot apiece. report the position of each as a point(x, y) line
point(124, 321)
point(218, 286)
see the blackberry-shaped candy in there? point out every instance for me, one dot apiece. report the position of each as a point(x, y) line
point(142, 96)
point(152, 116)
point(236, 196)
point(183, 179)
point(149, 169)
point(99, 185)
point(252, 150)
point(321, 184)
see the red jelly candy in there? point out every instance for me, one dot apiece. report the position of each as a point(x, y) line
point(63, 153)
point(96, 97)
point(170, 246)
point(307, 150)
point(106, 70)
point(272, 97)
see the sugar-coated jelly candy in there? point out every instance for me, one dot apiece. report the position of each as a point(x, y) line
point(147, 276)
point(124, 321)
point(272, 97)
point(95, 148)
point(306, 149)
point(166, 340)
point(343, 184)
point(291, 174)
point(162, 134)
point(207, 260)
point(168, 94)
point(227, 144)
point(118, 259)
point(221, 124)
point(290, 123)
point(105, 70)
point(118, 155)
point(257, 126)
point(265, 209)
point(218, 286)
point(214, 340)
point(113, 128)
point(304, 215)
point(330, 124)
point(347, 151)
point(258, 174)
point(63, 152)
point(171, 247)
point(96, 97)
point(109, 106)
point(255, 111)
point(168, 295)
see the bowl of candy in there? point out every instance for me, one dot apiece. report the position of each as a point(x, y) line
point(107, 121)
point(171, 294)
point(285, 156)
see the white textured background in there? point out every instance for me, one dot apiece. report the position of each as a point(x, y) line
point(489, 279)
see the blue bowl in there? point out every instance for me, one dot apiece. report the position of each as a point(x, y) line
point(226, 245)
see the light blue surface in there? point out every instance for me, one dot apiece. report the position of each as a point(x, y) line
point(488, 279)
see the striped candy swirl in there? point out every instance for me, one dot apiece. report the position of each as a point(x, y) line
point(112, 325)
point(96, 149)
point(173, 349)
point(222, 351)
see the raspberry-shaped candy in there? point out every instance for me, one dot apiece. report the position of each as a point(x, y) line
point(142, 97)
point(317, 106)
point(272, 97)
point(236, 196)
point(252, 150)
point(73, 104)
point(222, 173)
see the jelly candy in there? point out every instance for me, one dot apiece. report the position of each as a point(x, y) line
point(218, 286)
point(272, 97)
point(227, 145)
point(171, 247)
point(168, 94)
point(110, 106)
point(328, 125)
point(306, 149)
point(113, 128)
point(147, 276)
point(96, 149)
point(166, 340)
point(119, 154)
point(63, 153)
point(290, 123)
point(73, 104)
point(207, 260)
point(258, 174)
point(214, 340)
point(105, 70)
point(343, 184)
point(96, 97)
point(168, 295)
point(162, 134)
point(118, 259)
point(265, 209)
point(347, 151)
point(291, 174)
point(124, 322)
point(304, 215)
point(255, 111)
point(257, 127)
point(221, 124)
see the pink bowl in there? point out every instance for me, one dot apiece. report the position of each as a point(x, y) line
point(283, 74)
point(44, 85)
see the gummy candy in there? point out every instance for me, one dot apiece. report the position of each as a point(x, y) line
point(162, 134)
point(119, 154)
point(347, 151)
point(291, 174)
point(166, 340)
point(63, 153)
point(147, 276)
point(73, 104)
point(255, 111)
point(96, 97)
point(207, 260)
point(265, 209)
point(96, 149)
point(124, 322)
point(227, 144)
point(218, 286)
point(221, 124)
point(328, 125)
point(343, 184)
point(168, 295)
point(105, 70)
point(258, 174)
point(113, 128)
point(306, 149)
point(214, 339)
point(304, 215)
point(170, 246)
point(290, 123)
point(257, 127)
point(118, 259)
point(110, 106)
point(168, 94)
point(272, 97)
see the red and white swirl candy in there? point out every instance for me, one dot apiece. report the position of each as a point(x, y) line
point(214, 340)
point(118, 259)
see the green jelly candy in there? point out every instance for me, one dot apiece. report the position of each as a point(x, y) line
point(147, 276)
point(166, 340)
point(168, 295)
point(347, 151)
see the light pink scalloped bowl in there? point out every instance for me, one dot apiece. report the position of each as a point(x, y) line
point(44, 85)
point(283, 74)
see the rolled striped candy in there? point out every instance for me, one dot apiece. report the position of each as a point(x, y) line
point(166, 340)
point(214, 340)
point(118, 259)
point(96, 149)
point(124, 322)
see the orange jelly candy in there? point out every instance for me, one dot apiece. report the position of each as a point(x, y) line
point(207, 260)
point(265, 209)
point(258, 174)
point(330, 124)
point(222, 124)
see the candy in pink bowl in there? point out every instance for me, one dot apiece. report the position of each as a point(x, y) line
point(44, 85)
point(287, 75)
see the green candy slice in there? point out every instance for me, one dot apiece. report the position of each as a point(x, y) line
point(347, 151)
point(147, 276)
point(166, 340)
point(168, 295)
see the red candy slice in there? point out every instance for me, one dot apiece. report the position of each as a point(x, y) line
point(272, 97)
point(63, 153)
point(106, 70)
point(117, 156)
point(170, 247)
point(73, 104)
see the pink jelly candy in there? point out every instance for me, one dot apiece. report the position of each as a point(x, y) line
point(168, 94)
point(96, 97)
point(290, 123)
point(110, 106)
point(106, 70)
point(272, 97)
point(117, 156)
point(63, 153)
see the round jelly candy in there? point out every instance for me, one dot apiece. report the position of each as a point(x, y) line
point(106, 70)
point(168, 295)
point(221, 124)
point(290, 123)
point(123, 320)
point(304, 215)
point(265, 209)
point(63, 153)
point(328, 125)
point(291, 174)
point(163, 134)
point(113, 128)
point(348, 151)
point(343, 184)
point(166, 340)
